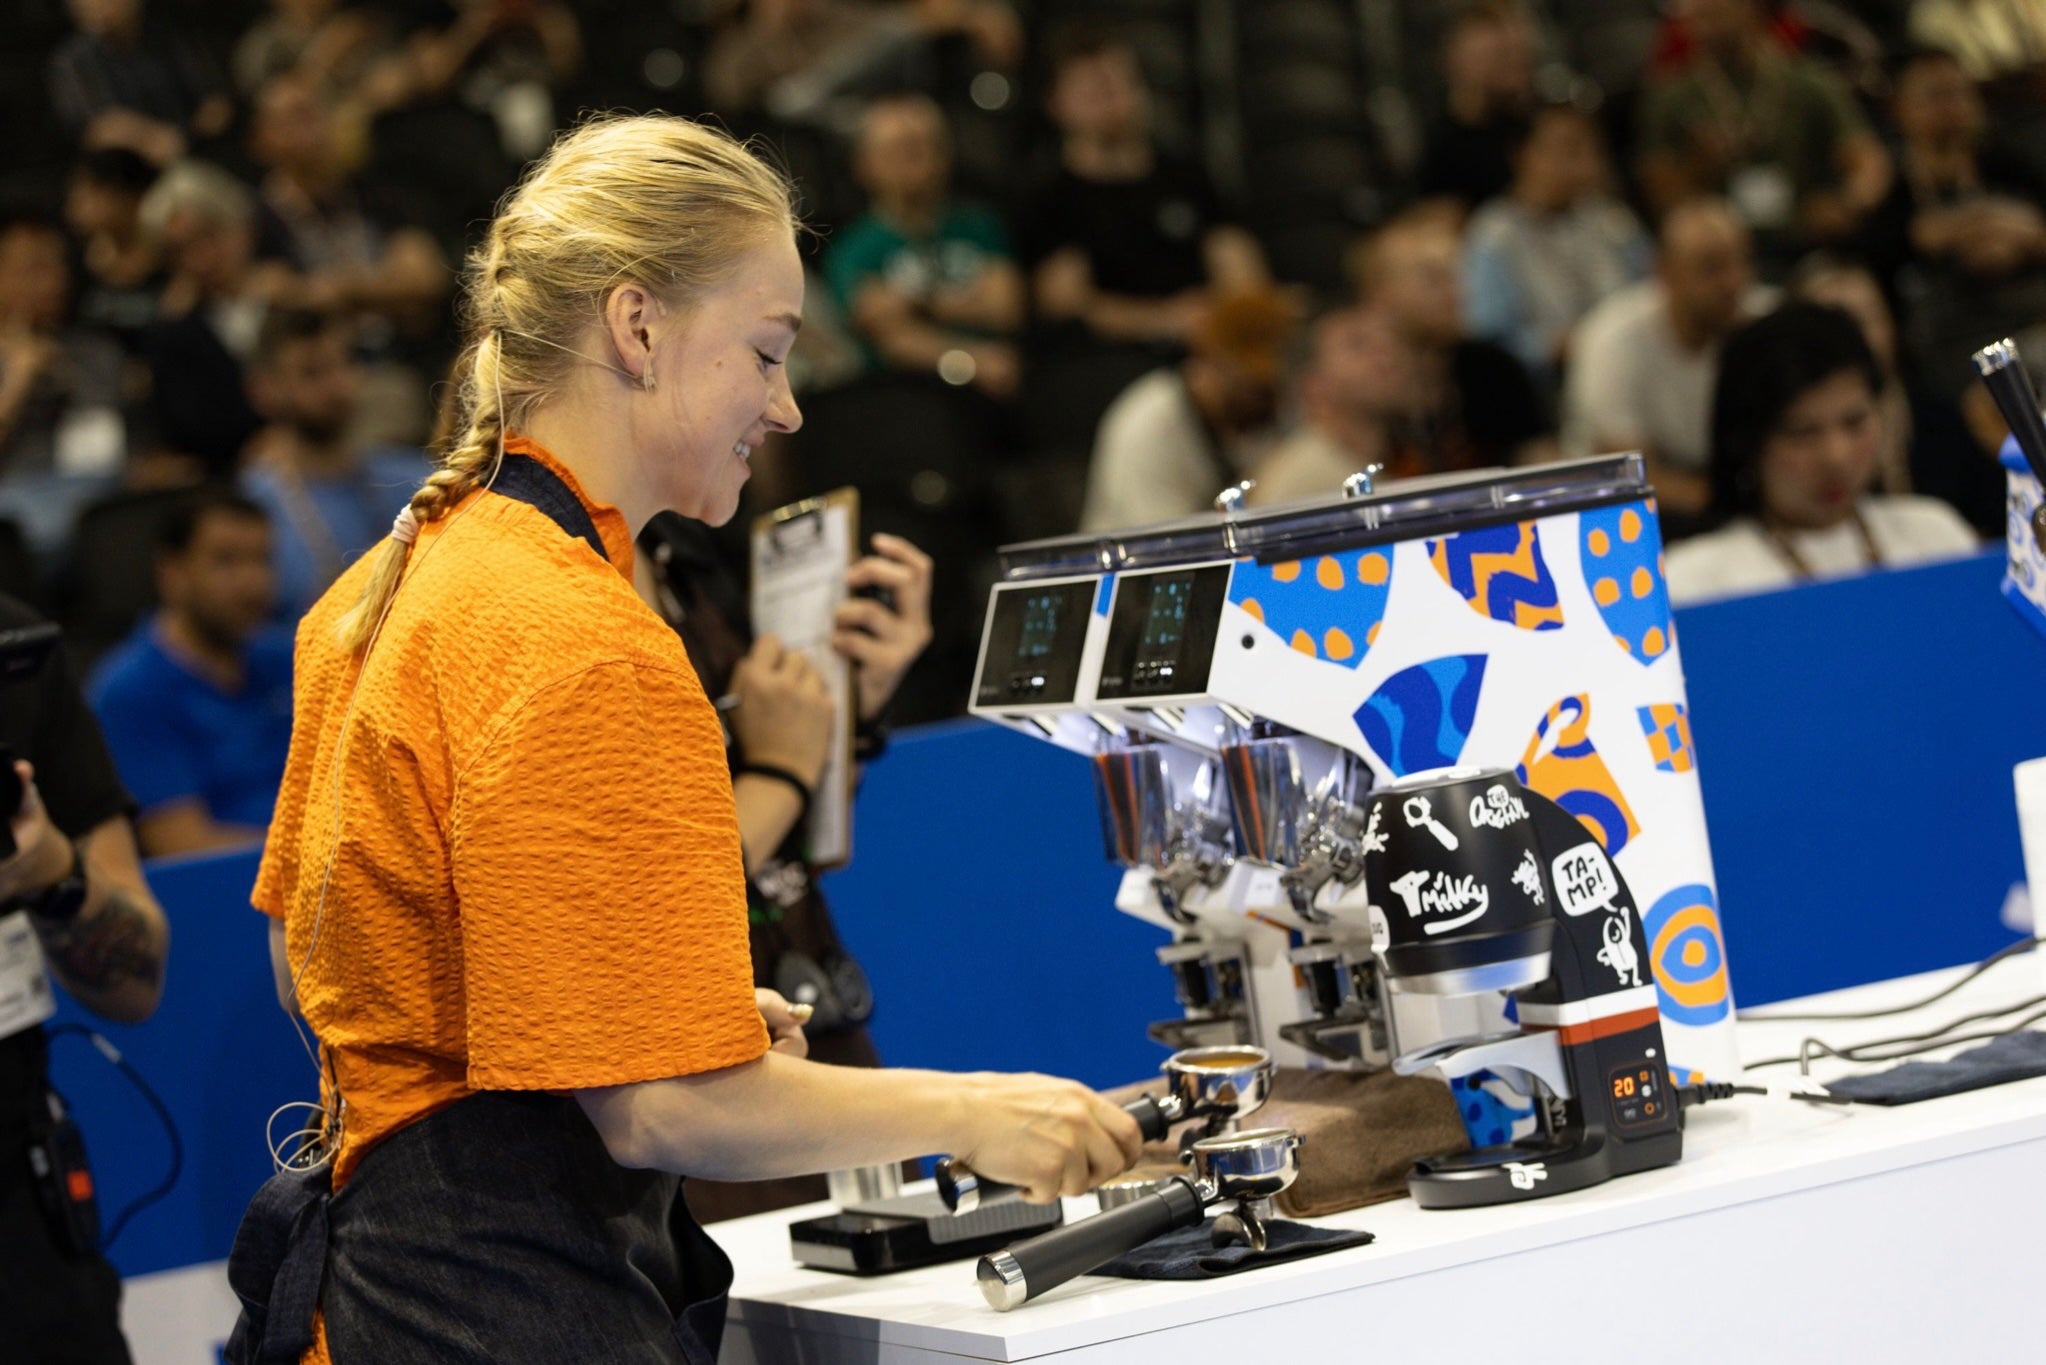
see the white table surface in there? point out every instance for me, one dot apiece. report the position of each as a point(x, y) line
point(1789, 1231)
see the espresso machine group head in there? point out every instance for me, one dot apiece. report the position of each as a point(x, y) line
point(1480, 885)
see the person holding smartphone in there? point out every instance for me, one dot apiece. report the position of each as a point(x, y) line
point(778, 726)
point(505, 869)
point(71, 880)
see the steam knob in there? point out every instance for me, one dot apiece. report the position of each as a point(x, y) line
point(1360, 484)
point(1230, 500)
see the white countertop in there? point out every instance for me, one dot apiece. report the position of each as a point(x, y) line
point(1736, 1151)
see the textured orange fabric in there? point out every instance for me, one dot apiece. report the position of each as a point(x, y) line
point(536, 880)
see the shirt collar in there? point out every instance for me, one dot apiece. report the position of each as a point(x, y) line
point(609, 521)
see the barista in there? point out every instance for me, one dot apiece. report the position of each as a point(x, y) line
point(506, 862)
point(76, 873)
point(778, 730)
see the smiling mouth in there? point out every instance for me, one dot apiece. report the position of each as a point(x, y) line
point(742, 450)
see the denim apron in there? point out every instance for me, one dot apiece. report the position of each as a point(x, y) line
point(495, 1231)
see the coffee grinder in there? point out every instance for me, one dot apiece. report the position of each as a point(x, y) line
point(1479, 885)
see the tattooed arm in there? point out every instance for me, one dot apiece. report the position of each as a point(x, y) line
point(110, 954)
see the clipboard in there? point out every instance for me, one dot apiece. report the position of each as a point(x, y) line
point(799, 556)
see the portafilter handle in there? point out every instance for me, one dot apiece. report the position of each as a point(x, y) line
point(2003, 374)
point(1011, 1278)
point(963, 1191)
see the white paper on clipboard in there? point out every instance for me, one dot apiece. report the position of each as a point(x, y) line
point(800, 555)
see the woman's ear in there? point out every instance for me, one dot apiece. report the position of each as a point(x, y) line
point(629, 314)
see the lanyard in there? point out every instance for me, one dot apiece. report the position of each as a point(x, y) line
point(1801, 568)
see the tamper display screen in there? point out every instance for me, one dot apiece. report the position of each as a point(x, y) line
point(1036, 633)
point(1161, 632)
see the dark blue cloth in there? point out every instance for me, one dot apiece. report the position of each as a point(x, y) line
point(176, 735)
point(1187, 1254)
point(2014, 1057)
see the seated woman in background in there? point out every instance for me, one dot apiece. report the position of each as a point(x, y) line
point(1796, 435)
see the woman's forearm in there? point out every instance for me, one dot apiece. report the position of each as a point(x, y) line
point(779, 1116)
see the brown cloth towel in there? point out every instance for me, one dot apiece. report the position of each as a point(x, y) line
point(1361, 1132)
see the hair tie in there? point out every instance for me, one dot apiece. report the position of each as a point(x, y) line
point(405, 528)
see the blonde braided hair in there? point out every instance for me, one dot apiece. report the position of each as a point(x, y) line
point(668, 203)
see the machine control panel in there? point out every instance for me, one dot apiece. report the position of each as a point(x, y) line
point(1161, 632)
point(1036, 635)
point(1639, 1093)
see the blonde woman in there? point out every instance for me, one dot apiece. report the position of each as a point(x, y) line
point(505, 870)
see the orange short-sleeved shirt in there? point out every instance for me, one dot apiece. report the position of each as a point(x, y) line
point(536, 879)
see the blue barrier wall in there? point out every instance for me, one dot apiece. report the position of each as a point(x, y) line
point(1855, 742)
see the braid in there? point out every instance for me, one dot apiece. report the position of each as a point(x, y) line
point(465, 467)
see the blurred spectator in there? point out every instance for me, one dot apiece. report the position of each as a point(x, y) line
point(1992, 39)
point(790, 58)
point(1537, 258)
point(928, 282)
point(328, 499)
point(1642, 363)
point(1959, 240)
point(1180, 435)
point(196, 705)
point(1772, 130)
point(122, 81)
point(354, 259)
point(1471, 403)
point(213, 309)
point(329, 42)
point(358, 254)
point(1120, 240)
point(1796, 436)
point(61, 386)
point(1352, 394)
point(1488, 74)
point(504, 58)
point(1926, 444)
point(123, 277)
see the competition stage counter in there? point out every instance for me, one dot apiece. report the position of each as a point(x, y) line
point(1855, 743)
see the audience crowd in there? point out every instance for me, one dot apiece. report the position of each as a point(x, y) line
point(1073, 267)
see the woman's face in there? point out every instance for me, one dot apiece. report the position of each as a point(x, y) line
point(1822, 455)
point(721, 384)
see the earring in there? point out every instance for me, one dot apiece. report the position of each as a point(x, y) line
point(646, 376)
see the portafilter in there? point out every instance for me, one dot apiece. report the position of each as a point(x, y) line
point(1218, 1084)
point(1249, 1168)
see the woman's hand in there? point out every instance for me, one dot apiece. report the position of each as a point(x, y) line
point(1052, 1137)
point(784, 1022)
point(884, 640)
point(783, 719)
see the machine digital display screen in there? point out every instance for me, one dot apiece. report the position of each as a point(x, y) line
point(1040, 625)
point(1035, 636)
point(1165, 624)
point(1161, 632)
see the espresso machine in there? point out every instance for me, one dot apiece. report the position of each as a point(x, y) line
point(1245, 681)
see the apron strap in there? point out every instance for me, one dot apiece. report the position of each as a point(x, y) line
point(275, 1268)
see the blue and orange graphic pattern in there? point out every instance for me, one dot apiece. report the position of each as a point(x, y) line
point(1570, 772)
point(1621, 550)
point(1420, 717)
point(1500, 572)
point(1667, 727)
point(1329, 607)
point(1689, 956)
